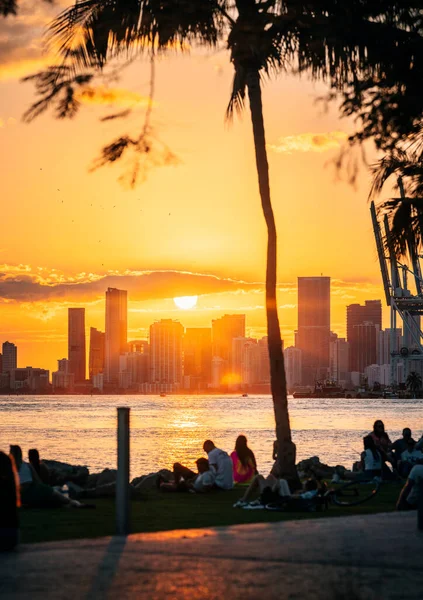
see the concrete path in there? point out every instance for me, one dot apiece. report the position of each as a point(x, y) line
point(371, 557)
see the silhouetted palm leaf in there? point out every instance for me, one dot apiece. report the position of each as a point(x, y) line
point(405, 212)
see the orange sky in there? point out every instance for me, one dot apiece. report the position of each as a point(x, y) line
point(67, 233)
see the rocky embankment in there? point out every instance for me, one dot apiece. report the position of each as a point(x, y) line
point(80, 480)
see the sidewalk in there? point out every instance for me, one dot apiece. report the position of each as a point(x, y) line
point(371, 557)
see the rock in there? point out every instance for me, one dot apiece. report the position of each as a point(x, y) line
point(313, 466)
point(61, 473)
point(106, 476)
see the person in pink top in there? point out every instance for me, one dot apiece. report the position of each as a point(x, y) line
point(243, 461)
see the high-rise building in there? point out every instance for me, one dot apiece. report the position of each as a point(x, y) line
point(76, 343)
point(384, 345)
point(97, 344)
point(198, 354)
point(10, 357)
point(293, 361)
point(240, 345)
point(313, 334)
point(63, 378)
point(116, 332)
point(224, 330)
point(363, 342)
point(166, 352)
point(264, 363)
point(339, 360)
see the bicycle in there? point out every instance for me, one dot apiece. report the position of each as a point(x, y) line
point(355, 492)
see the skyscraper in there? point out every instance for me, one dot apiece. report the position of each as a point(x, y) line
point(10, 357)
point(76, 343)
point(313, 334)
point(116, 332)
point(198, 354)
point(96, 360)
point(363, 341)
point(166, 352)
point(292, 358)
point(224, 330)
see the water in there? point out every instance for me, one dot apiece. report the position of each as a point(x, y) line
point(82, 429)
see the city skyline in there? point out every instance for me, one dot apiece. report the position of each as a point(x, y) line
point(161, 233)
point(223, 356)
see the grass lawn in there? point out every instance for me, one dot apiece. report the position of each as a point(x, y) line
point(161, 512)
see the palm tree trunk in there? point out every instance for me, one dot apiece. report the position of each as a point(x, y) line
point(286, 450)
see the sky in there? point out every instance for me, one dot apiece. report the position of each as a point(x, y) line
point(192, 228)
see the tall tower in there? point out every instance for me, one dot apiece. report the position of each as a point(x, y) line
point(96, 361)
point(363, 326)
point(76, 343)
point(10, 357)
point(166, 352)
point(313, 327)
point(198, 353)
point(116, 332)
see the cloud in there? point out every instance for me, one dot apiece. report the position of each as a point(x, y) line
point(21, 38)
point(22, 283)
point(309, 142)
point(102, 95)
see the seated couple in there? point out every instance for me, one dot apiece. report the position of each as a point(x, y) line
point(214, 473)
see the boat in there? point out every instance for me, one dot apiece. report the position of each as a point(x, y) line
point(162, 395)
point(322, 389)
point(245, 395)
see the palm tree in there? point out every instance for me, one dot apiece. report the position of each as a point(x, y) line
point(405, 212)
point(414, 382)
point(263, 37)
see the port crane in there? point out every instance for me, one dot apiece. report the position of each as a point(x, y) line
point(405, 304)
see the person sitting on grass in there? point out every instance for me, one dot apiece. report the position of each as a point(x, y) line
point(9, 502)
point(409, 458)
point(371, 463)
point(410, 494)
point(243, 461)
point(187, 481)
point(401, 445)
point(36, 494)
point(39, 466)
point(221, 463)
point(271, 489)
point(381, 438)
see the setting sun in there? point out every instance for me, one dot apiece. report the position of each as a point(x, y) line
point(186, 302)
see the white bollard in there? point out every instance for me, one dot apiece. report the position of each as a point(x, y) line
point(122, 482)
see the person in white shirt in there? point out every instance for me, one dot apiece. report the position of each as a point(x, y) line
point(410, 493)
point(409, 458)
point(221, 464)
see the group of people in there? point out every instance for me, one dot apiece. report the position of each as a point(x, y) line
point(218, 471)
point(401, 459)
point(32, 481)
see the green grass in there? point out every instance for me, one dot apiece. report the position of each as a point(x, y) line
point(161, 512)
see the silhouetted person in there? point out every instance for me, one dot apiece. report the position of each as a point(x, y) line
point(410, 457)
point(243, 461)
point(401, 445)
point(8, 504)
point(221, 463)
point(381, 438)
point(39, 467)
point(409, 496)
point(33, 492)
point(187, 480)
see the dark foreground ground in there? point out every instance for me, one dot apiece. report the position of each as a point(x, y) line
point(367, 557)
point(163, 512)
